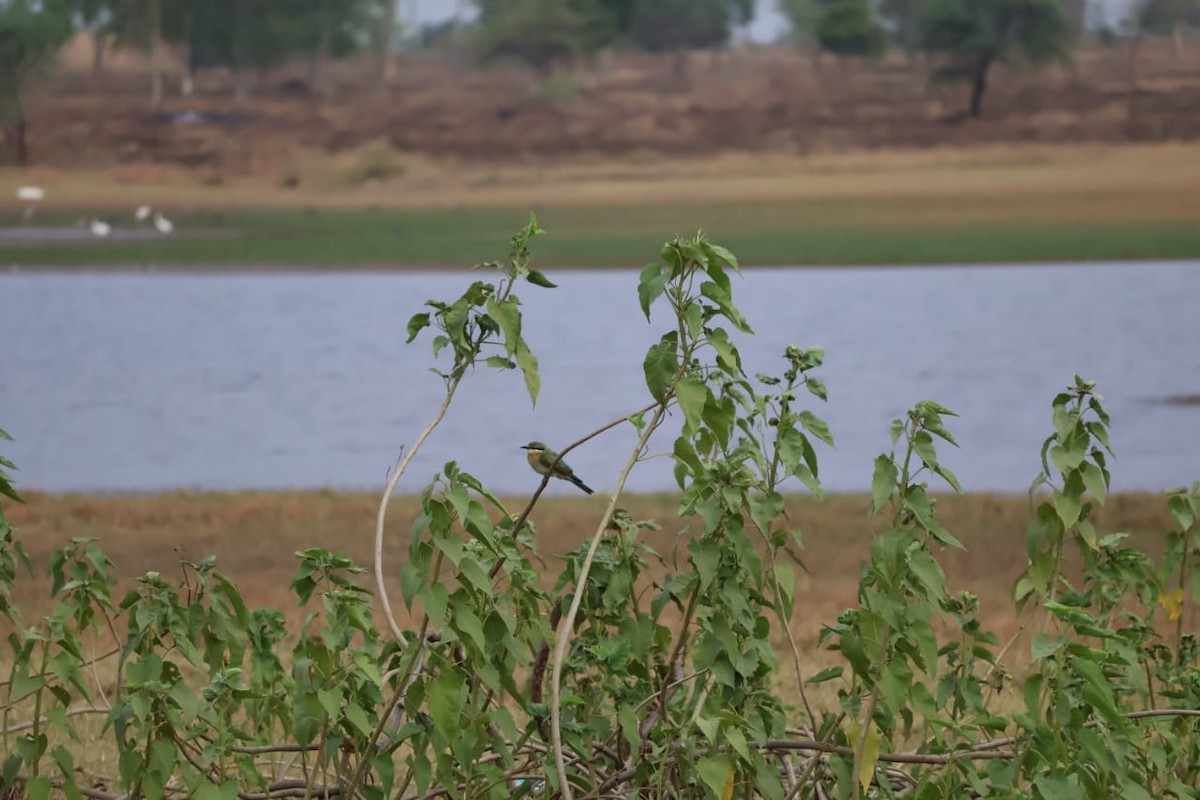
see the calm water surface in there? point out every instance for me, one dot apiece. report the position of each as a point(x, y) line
point(138, 382)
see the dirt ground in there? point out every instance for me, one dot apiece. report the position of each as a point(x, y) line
point(761, 102)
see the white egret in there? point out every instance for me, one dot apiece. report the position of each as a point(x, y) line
point(100, 228)
point(163, 224)
point(31, 196)
point(142, 213)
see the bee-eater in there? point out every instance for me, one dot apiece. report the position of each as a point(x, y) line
point(541, 457)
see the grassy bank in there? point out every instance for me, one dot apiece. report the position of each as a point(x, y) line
point(1013, 204)
point(254, 534)
point(392, 239)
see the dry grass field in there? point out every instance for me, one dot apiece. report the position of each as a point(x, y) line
point(254, 535)
point(988, 183)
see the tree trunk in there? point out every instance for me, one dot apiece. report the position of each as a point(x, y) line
point(319, 78)
point(156, 67)
point(99, 48)
point(241, 85)
point(1177, 38)
point(387, 61)
point(22, 142)
point(1134, 47)
point(979, 86)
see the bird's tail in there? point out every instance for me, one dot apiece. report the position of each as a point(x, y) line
point(580, 484)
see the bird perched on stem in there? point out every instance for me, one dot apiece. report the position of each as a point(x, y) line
point(541, 458)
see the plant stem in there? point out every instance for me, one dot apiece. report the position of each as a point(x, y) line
point(564, 633)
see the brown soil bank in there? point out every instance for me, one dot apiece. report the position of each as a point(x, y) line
point(769, 100)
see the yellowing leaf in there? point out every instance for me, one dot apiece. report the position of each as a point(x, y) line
point(870, 752)
point(728, 793)
point(1172, 603)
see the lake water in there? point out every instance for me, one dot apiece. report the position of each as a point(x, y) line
point(146, 382)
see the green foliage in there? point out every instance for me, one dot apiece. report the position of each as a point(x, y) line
point(901, 17)
point(667, 25)
point(970, 36)
point(540, 33)
point(31, 34)
point(619, 680)
point(1164, 17)
point(847, 28)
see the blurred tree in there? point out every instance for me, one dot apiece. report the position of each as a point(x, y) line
point(847, 28)
point(136, 24)
point(901, 17)
point(539, 33)
point(31, 34)
point(802, 14)
point(970, 36)
point(1169, 18)
point(95, 16)
point(666, 25)
point(249, 36)
point(323, 30)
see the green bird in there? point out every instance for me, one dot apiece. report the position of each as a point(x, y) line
point(541, 457)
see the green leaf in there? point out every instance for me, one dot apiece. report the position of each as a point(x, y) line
point(923, 447)
point(723, 302)
point(721, 253)
point(949, 477)
point(38, 788)
point(416, 324)
point(661, 365)
point(728, 357)
point(706, 555)
point(692, 395)
point(1045, 645)
point(445, 696)
point(1087, 532)
point(1093, 481)
point(720, 417)
point(785, 577)
point(816, 426)
point(651, 284)
point(538, 279)
point(929, 573)
point(507, 315)
point(529, 367)
point(883, 482)
point(716, 774)
point(827, 674)
point(1068, 509)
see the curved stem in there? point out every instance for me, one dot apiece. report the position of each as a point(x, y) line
point(564, 632)
point(397, 473)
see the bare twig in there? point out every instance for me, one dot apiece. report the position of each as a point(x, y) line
point(70, 712)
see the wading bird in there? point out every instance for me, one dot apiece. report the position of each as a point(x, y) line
point(163, 224)
point(142, 213)
point(31, 196)
point(540, 458)
point(100, 228)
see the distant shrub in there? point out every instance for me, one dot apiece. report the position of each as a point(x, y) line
point(376, 160)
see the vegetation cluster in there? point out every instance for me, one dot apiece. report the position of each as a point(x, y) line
point(963, 40)
point(614, 682)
